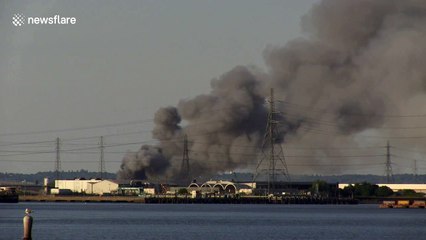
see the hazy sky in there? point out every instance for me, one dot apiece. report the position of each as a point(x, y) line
point(116, 66)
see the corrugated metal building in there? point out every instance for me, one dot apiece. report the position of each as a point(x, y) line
point(103, 187)
point(79, 185)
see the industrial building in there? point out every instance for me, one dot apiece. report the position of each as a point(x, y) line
point(220, 188)
point(78, 185)
point(223, 187)
point(102, 187)
point(106, 187)
point(209, 188)
point(281, 185)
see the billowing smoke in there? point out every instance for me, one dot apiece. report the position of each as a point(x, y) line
point(147, 161)
point(217, 124)
point(360, 61)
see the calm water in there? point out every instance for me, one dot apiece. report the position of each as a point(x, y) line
point(139, 221)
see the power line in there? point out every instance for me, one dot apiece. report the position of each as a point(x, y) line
point(27, 153)
point(250, 164)
point(325, 111)
point(330, 133)
point(295, 156)
point(76, 129)
point(403, 158)
point(106, 135)
point(408, 150)
point(334, 124)
point(24, 143)
point(88, 146)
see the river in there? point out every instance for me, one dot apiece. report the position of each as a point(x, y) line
point(211, 221)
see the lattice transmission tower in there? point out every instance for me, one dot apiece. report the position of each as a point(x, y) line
point(388, 164)
point(272, 151)
point(58, 158)
point(184, 168)
point(415, 172)
point(101, 158)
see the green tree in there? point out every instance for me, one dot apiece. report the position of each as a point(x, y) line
point(320, 187)
point(365, 189)
point(384, 191)
point(183, 191)
point(347, 191)
point(409, 193)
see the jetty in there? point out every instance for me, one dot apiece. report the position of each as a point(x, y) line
point(403, 204)
point(8, 195)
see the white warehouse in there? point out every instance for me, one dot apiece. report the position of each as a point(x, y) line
point(101, 187)
point(77, 185)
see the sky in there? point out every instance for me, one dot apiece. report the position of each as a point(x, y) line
point(108, 74)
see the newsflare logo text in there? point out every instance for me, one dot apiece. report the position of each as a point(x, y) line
point(20, 19)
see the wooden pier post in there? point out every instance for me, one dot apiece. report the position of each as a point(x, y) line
point(28, 224)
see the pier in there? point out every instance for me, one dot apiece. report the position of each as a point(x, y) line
point(403, 204)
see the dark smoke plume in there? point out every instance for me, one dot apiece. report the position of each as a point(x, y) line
point(359, 61)
point(147, 161)
point(232, 115)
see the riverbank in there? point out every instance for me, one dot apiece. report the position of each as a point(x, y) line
point(186, 200)
point(56, 198)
